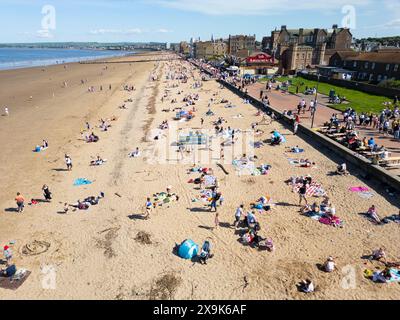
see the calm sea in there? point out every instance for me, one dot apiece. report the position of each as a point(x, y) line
point(13, 58)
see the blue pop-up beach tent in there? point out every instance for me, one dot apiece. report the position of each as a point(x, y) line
point(188, 249)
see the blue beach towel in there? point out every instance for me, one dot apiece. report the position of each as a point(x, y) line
point(81, 182)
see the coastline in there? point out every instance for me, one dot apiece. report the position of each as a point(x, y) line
point(43, 63)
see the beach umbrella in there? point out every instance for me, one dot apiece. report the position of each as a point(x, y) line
point(188, 249)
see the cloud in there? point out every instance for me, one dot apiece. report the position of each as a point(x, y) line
point(163, 31)
point(116, 31)
point(256, 7)
point(393, 24)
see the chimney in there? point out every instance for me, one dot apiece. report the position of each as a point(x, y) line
point(283, 28)
point(335, 26)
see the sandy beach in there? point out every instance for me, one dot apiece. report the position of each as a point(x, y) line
point(97, 254)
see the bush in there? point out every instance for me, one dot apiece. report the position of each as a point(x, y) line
point(394, 84)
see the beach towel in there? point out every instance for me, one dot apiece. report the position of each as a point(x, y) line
point(314, 190)
point(314, 215)
point(81, 181)
point(14, 282)
point(210, 181)
point(365, 195)
point(335, 221)
point(358, 189)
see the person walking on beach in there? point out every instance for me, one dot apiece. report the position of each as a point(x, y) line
point(68, 162)
point(20, 202)
point(46, 193)
point(148, 206)
point(216, 220)
point(6, 113)
point(302, 193)
point(238, 215)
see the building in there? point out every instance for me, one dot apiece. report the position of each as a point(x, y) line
point(299, 57)
point(210, 49)
point(241, 46)
point(185, 48)
point(299, 48)
point(373, 66)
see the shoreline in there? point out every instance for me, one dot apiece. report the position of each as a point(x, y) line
point(55, 62)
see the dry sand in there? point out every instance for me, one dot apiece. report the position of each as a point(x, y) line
point(107, 253)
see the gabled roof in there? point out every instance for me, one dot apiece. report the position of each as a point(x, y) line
point(379, 57)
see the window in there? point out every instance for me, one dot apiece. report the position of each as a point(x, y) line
point(371, 76)
point(396, 67)
point(387, 67)
point(355, 64)
point(366, 65)
point(373, 66)
point(379, 77)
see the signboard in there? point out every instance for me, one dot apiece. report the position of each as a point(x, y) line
point(260, 58)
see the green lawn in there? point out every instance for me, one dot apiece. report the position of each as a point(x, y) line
point(359, 101)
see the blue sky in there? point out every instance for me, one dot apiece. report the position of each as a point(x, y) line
point(175, 20)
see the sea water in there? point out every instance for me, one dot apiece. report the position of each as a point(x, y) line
point(13, 58)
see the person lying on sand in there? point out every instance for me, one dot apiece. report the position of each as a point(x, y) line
point(134, 154)
point(373, 214)
point(379, 254)
point(98, 162)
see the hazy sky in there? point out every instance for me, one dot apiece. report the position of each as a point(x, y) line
point(175, 20)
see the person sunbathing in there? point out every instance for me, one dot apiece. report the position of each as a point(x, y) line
point(305, 163)
point(379, 254)
point(373, 214)
point(135, 154)
point(98, 162)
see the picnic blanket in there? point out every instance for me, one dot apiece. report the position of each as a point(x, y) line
point(14, 282)
point(244, 166)
point(205, 195)
point(210, 181)
point(335, 221)
point(313, 190)
point(358, 189)
point(82, 181)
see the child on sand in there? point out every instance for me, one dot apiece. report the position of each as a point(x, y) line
point(216, 220)
point(20, 202)
point(7, 254)
point(148, 206)
point(302, 193)
point(68, 162)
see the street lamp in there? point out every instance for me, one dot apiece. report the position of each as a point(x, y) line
point(315, 102)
